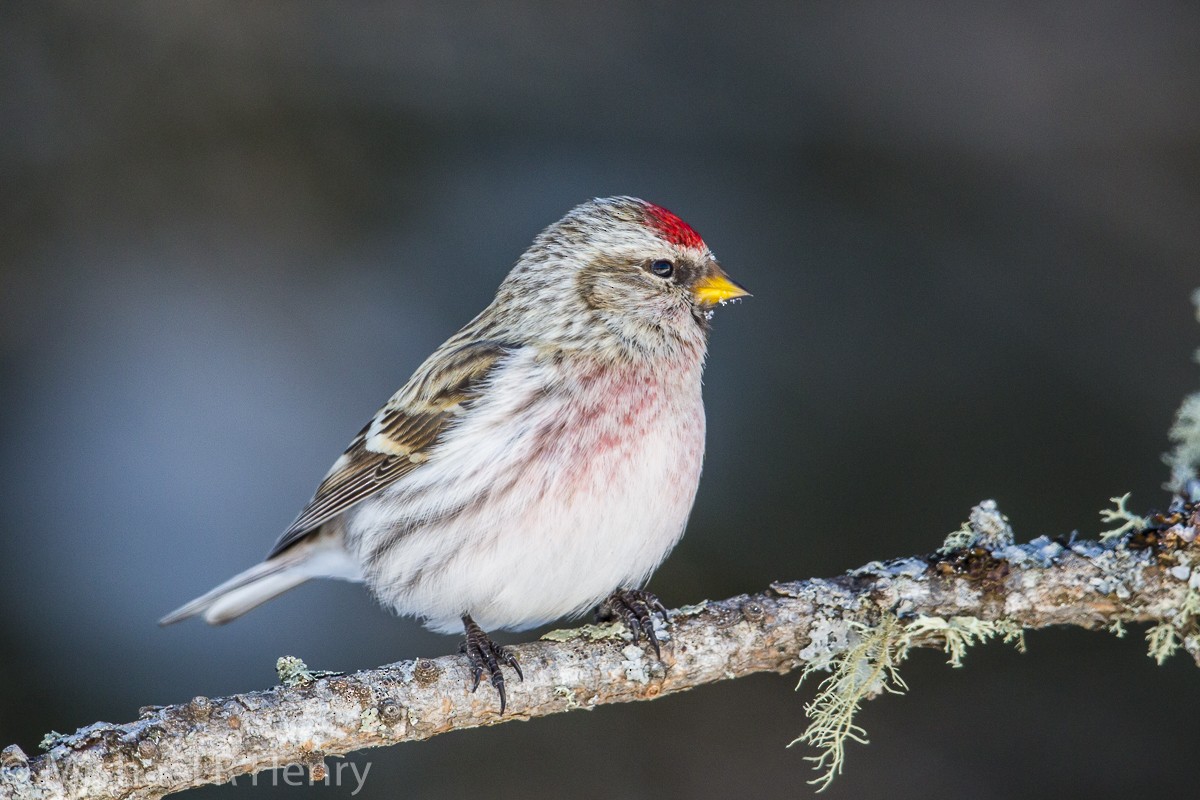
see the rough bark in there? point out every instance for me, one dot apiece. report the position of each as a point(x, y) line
point(1147, 578)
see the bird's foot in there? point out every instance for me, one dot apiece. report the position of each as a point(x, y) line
point(635, 608)
point(484, 655)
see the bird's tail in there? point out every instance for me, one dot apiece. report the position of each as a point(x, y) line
point(316, 557)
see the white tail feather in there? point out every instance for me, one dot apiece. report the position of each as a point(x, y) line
point(322, 557)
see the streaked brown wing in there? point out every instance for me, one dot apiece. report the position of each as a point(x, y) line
point(400, 436)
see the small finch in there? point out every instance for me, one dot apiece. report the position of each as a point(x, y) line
point(542, 461)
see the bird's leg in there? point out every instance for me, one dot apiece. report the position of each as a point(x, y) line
point(634, 607)
point(485, 655)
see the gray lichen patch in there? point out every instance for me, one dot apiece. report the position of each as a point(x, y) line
point(50, 739)
point(828, 637)
point(636, 665)
point(986, 527)
point(991, 528)
point(1040, 552)
point(406, 670)
point(900, 567)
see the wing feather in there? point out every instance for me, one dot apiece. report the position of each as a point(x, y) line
point(399, 438)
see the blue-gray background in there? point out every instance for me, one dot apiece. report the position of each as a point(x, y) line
point(230, 230)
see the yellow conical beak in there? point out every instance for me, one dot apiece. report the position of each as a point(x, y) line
point(716, 287)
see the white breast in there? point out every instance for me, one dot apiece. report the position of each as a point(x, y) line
point(559, 486)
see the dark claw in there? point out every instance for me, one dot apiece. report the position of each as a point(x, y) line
point(635, 608)
point(511, 660)
point(485, 655)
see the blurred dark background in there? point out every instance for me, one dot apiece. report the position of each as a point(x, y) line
point(231, 230)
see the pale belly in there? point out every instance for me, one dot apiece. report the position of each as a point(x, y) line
point(522, 518)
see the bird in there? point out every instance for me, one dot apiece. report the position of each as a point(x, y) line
point(543, 461)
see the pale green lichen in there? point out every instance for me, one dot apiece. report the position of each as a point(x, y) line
point(1119, 513)
point(690, 610)
point(369, 721)
point(959, 633)
point(960, 539)
point(868, 666)
point(864, 670)
point(568, 695)
point(1163, 641)
point(293, 672)
point(1117, 629)
point(1166, 637)
point(1184, 458)
point(561, 635)
point(604, 630)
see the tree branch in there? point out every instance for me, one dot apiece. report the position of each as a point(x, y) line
point(1146, 578)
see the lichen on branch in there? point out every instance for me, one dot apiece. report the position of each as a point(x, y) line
point(949, 600)
point(864, 670)
point(1184, 457)
point(868, 661)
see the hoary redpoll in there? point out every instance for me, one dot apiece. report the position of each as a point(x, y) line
point(543, 459)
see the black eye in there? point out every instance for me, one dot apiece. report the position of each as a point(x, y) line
point(663, 268)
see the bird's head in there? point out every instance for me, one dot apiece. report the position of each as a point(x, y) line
point(640, 272)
